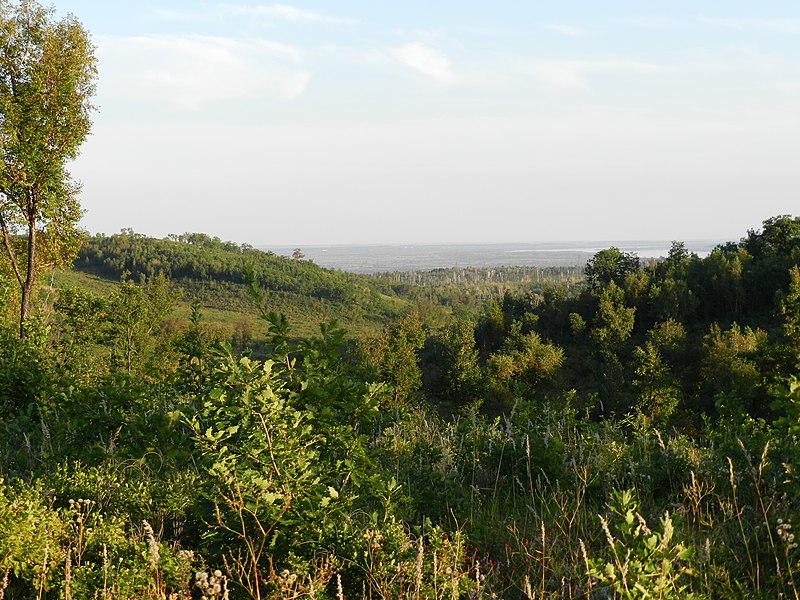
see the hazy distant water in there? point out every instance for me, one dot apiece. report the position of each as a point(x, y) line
point(425, 257)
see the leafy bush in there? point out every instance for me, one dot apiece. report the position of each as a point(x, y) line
point(640, 562)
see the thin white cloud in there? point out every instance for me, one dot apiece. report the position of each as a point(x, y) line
point(168, 14)
point(745, 60)
point(559, 75)
point(190, 72)
point(426, 60)
point(654, 22)
point(626, 65)
point(788, 87)
point(283, 11)
point(568, 30)
point(574, 74)
point(780, 25)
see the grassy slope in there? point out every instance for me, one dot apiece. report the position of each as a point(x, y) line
point(231, 307)
point(214, 274)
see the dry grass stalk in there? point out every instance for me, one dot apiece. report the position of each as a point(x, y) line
point(418, 566)
point(4, 584)
point(68, 575)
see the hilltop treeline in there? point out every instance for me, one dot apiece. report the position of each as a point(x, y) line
point(631, 435)
point(199, 257)
point(478, 276)
point(470, 286)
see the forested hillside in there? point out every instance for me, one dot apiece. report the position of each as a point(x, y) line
point(221, 274)
point(628, 434)
point(200, 257)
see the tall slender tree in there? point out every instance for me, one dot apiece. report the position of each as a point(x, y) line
point(47, 80)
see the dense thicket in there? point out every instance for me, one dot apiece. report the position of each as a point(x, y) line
point(634, 436)
point(700, 332)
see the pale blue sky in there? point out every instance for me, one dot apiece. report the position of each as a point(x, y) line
point(374, 122)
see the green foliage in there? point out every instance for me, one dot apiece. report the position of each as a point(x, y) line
point(78, 552)
point(47, 73)
point(731, 370)
point(577, 324)
point(260, 457)
point(778, 236)
point(9, 304)
point(525, 360)
point(448, 457)
point(397, 564)
point(457, 379)
point(790, 311)
point(393, 356)
point(194, 345)
point(787, 401)
point(614, 321)
point(23, 373)
point(640, 562)
point(133, 314)
point(610, 265)
point(659, 394)
point(30, 545)
point(282, 464)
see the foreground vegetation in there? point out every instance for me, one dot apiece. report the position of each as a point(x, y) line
point(632, 436)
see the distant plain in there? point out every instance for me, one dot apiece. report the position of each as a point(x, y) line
point(425, 257)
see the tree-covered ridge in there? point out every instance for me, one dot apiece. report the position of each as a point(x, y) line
point(200, 257)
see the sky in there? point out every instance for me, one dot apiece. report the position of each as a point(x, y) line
point(364, 122)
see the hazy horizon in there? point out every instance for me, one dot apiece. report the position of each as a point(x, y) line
point(380, 258)
point(599, 243)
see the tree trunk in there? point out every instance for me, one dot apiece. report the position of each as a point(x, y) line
point(30, 275)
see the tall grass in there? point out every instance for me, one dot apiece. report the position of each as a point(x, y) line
point(541, 504)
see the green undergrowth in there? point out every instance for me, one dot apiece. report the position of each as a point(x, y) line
point(636, 437)
point(231, 307)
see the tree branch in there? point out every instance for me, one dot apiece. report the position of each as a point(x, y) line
point(10, 250)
